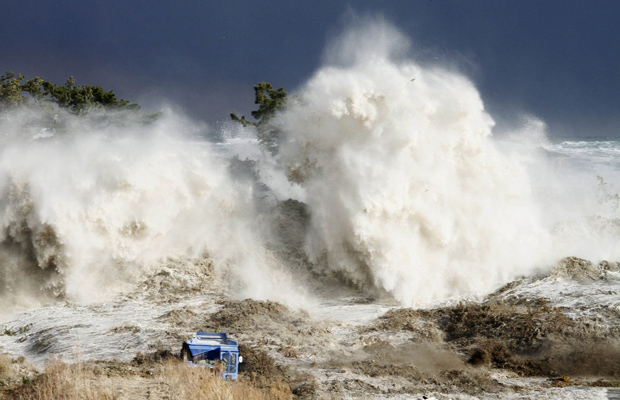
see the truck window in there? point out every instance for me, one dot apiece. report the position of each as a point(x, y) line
point(233, 362)
point(229, 366)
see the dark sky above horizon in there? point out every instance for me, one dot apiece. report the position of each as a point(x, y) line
point(557, 60)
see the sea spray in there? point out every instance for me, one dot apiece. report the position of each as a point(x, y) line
point(400, 188)
point(88, 210)
point(575, 184)
point(406, 191)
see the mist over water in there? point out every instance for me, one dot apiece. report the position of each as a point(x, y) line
point(407, 192)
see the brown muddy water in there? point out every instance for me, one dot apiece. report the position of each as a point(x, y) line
point(509, 345)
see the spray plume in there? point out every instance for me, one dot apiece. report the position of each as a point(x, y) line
point(407, 193)
point(85, 213)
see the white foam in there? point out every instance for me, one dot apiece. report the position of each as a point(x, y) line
point(405, 188)
point(86, 212)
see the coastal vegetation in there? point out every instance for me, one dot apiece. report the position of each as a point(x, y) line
point(76, 99)
point(270, 101)
point(49, 106)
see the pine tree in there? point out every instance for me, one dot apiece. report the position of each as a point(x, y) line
point(270, 101)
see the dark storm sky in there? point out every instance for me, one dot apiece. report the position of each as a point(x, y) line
point(558, 60)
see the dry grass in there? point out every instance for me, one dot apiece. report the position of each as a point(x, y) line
point(203, 384)
point(173, 380)
point(61, 381)
point(5, 367)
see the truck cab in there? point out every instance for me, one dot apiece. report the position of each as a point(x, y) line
point(206, 349)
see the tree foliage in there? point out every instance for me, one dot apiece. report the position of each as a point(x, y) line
point(50, 107)
point(10, 90)
point(76, 99)
point(270, 101)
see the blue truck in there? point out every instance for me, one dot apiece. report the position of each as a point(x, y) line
point(210, 349)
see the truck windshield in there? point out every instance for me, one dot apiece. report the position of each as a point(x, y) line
point(230, 361)
point(233, 363)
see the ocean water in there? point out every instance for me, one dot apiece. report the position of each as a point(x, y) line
point(593, 154)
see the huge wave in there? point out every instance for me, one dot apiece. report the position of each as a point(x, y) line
point(85, 212)
point(404, 192)
point(406, 189)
